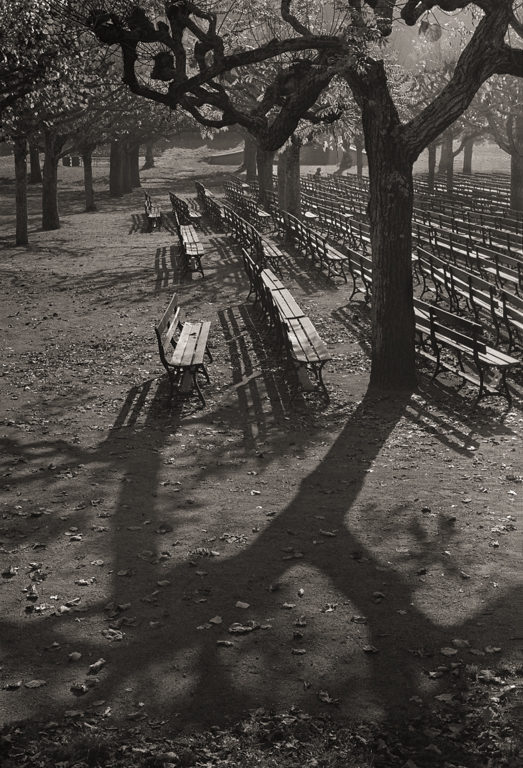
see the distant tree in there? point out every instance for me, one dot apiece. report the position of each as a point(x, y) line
point(30, 49)
point(502, 103)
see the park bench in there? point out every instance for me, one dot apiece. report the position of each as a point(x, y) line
point(440, 332)
point(305, 352)
point(252, 270)
point(326, 256)
point(510, 307)
point(295, 334)
point(191, 249)
point(153, 213)
point(311, 243)
point(257, 215)
point(181, 209)
point(360, 269)
point(263, 251)
point(459, 283)
point(505, 268)
point(209, 205)
point(182, 348)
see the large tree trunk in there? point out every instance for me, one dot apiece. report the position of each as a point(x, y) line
point(516, 164)
point(134, 161)
point(446, 161)
point(127, 185)
point(35, 173)
point(50, 215)
point(249, 158)
point(359, 157)
point(391, 202)
point(390, 208)
point(432, 165)
point(149, 156)
point(289, 179)
point(115, 170)
point(20, 152)
point(468, 149)
point(516, 181)
point(87, 160)
point(264, 161)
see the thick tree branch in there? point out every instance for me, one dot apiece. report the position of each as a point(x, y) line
point(289, 17)
point(486, 54)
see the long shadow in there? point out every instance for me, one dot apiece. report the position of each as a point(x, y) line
point(323, 539)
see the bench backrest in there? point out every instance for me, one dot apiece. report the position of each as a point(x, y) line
point(167, 327)
point(447, 319)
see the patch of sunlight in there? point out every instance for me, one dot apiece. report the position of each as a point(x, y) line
point(446, 606)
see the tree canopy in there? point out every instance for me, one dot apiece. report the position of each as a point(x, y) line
point(197, 55)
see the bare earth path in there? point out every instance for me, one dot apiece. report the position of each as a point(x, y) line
point(364, 537)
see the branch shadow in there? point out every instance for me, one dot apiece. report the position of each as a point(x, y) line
point(169, 654)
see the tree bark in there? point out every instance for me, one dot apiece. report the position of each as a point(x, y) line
point(468, 149)
point(289, 179)
point(516, 181)
point(390, 166)
point(446, 161)
point(358, 143)
point(134, 160)
point(50, 215)
point(264, 161)
point(449, 138)
point(35, 172)
point(20, 154)
point(87, 160)
point(432, 165)
point(149, 156)
point(516, 163)
point(115, 170)
point(127, 185)
point(249, 158)
point(391, 193)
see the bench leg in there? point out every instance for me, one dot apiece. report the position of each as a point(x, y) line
point(174, 376)
point(319, 376)
point(504, 386)
point(197, 386)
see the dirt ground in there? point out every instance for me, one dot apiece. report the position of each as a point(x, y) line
point(373, 546)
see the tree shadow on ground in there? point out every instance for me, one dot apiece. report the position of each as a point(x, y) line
point(321, 538)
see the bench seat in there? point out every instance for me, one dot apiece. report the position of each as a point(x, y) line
point(191, 249)
point(182, 348)
point(305, 352)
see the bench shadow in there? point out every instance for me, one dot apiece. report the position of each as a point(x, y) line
point(139, 224)
point(165, 263)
